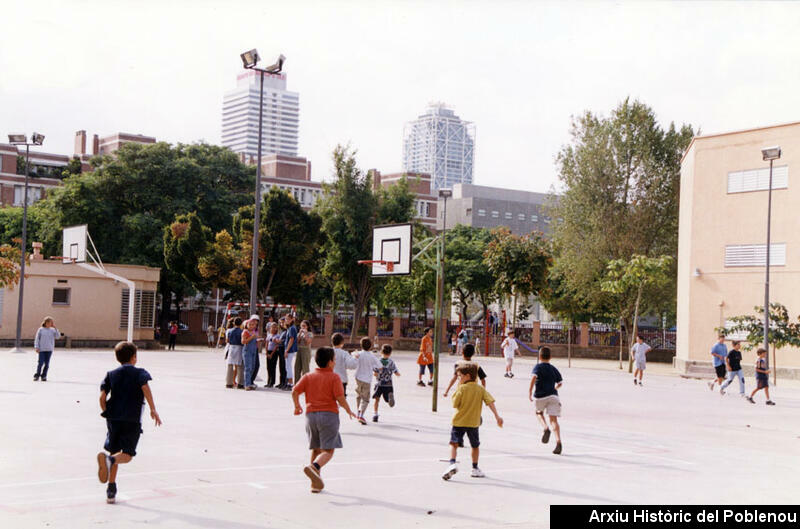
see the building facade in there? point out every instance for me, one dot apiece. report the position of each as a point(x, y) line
point(281, 116)
point(490, 207)
point(722, 238)
point(440, 144)
point(425, 205)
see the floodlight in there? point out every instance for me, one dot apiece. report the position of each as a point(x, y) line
point(771, 153)
point(17, 139)
point(445, 193)
point(37, 138)
point(250, 58)
point(277, 67)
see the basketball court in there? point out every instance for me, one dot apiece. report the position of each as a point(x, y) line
point(226, 458)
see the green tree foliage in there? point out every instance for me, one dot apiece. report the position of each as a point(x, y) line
point(349, 211)
point(520, 264)
point(186, 241)
point(419, 287)
point(467, 273)
point(621, 176)
point(630, 279)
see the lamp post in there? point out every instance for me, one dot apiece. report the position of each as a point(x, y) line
point(250, 60)
point(771, 154)
point(22, 139)
point(437, 310)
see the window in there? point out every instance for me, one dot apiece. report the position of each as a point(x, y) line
point(521, 216)
point(508, 215)
point(755, 255)
point(468, 212)
point(144, 309)
point(758, 179)
point(34, 194)
point(495, 214)
point(547, 220)
point(61, 296)
point(481, 212)
point(534, 218)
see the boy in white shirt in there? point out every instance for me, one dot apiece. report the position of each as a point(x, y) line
point(639, 350)
point(343, 359)
point(366, 363)
point(510, 347)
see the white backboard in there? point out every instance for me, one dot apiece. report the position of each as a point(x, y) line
point(392, 243)
point(74, 244)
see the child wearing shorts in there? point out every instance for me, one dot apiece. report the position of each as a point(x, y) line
point(122, 396)
point(384, 387)
point(546, 381)
point(366, 363)
point(762, 377)
point(639, 350)
point(509, 347)
point(468, 401)
point(324, 394)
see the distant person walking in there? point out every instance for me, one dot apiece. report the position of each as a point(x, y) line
point(639, 350)
point(173, 335)
point(44, 343)
point(734, 364)
point(304, 338)
point(235, 363)
point(762, 377)
point(718, 354)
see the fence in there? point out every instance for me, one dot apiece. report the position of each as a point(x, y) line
point(415, 328)
point(605, 337)
point(558, 333)
point(385, 326)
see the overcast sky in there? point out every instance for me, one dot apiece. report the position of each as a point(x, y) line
point(518, 70)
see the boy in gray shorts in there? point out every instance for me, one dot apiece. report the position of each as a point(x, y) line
point(546, 381)
point(323, 390)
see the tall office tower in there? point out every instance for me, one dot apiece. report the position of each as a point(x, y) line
point(441, 144)
point(281, 118)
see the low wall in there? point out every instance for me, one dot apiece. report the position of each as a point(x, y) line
point(601, 352)
point(68, 343)
point(705, 369)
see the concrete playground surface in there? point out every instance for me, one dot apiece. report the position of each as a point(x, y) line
point(233, 459)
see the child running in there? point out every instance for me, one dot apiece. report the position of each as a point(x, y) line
point(344, 360)
point(425, 358)
point(468, 401)
point(324, 394)
point(466, 353)
point(546, 379)
point(509, 347)
point(384, 387)
point(367, 363)
point(122, 396)
point(639, 350)
point(762, 377)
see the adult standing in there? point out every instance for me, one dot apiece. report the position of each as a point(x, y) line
point(719, 353)
point(44, 343)
point(250, 351)
point(280, 352)
point(235, 363)
point(173, 335)
point(304, 337)
point(290, 350)
point(272, 338)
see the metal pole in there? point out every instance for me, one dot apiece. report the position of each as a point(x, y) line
point(766, 283)
point(257, 214)
point(437, 312)
point(18, 337)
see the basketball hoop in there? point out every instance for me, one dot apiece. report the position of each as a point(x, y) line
point(389, 265)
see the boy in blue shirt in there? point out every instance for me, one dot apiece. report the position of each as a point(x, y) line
point(718, 355)
point(546, 381)
point(122, 396)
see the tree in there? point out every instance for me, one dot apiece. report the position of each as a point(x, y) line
point(621, 176)
point(632, 278)
point(419, 287)
point(349, 211)
point(186, 241)
point(466, 272)
point(9, 264)
point(224, 265)
point(782, 332)
point(519, 264)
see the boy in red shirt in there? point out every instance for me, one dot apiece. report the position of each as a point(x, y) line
point(323, 389)
point(425, 358)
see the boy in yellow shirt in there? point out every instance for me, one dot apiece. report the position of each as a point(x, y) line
point(468, 401)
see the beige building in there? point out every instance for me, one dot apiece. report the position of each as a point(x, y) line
point(89, 309)
point(723, 231)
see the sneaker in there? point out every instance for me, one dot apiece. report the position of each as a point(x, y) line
point(477, 473)
point(229, 386)
point(430, 383)
point(640, 383)
point(36, 377)
point(558, 448)
point(421, 383)
point(750, 400)
point(391, 400)
point(511, 375)
point(313, 474)
point(546, 436)
point(362, 420)
point(287, 387)
point(43, 379)
point(770, 403)
point(239, 386)
point(249, 388)
point(374, 418)
point(111, 493)
point(721, 391)
point(451, 471)
point(315, 490)
point(102, 467)
point(711, 385)
point(506, 375)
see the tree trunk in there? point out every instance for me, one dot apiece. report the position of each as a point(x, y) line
point(635, 327)
point(269, 283)
point(620, 343)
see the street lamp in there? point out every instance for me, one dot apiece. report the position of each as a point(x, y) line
point(771, 154)
point(22, 139)
point(249, 61)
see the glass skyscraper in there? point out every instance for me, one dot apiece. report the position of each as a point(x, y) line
point(441, 144)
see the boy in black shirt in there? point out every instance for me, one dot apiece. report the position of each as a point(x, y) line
point(546, 379)
point(122, 395)
point(734, 364)
point(467, 352)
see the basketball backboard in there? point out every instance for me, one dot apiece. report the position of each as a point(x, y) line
point(391, 243)
point(74, 244)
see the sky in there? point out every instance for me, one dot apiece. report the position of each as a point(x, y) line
point(518, 70)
